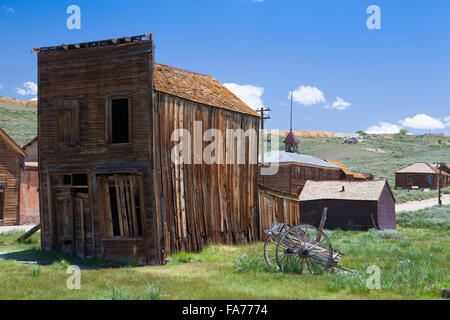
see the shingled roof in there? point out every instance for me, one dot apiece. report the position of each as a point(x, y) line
point(343, 190)
point(9, 141)
point(419, 167)
point(198, 88)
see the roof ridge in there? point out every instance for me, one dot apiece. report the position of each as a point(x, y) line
point(184, 70)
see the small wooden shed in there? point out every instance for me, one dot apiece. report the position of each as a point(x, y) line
point(351, 204)
point(420, 175)
point(108, 120)
point(11, 156)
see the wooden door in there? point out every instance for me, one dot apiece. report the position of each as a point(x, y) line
point(64, 215)
point(83, 225)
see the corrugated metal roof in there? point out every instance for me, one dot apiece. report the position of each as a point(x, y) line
point(198, 88)
point(283, 156)
point(346, 170)
point(332, 190)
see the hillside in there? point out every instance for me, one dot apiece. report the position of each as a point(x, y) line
point(381, 156)
point(19, 119)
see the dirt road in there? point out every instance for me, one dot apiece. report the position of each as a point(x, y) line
point(422, 204)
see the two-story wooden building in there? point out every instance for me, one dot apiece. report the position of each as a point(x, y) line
point(108, 120)
point(295, 169)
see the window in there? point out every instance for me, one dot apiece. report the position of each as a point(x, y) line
point(297, 172)
point(122, 205)
point(430, 180)
point(118, 120)
point(67, 122)
point(307, 173)
point(410, 179)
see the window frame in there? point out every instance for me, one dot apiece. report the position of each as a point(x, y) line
point(108, 117)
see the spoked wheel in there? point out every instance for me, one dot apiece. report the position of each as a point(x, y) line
point(303, 248)
point(270, 248)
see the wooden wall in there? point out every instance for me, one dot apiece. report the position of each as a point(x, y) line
point(91, 76)
point(419, 179)
point(202, 203)
point(386, 210)
point(276, 206)
point(9, 176)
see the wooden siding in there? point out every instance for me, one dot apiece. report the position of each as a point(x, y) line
point(202, 203)
point(9, 177)
point(420, 180)
point(386, 210)
point(343, 214)
point(275, 206)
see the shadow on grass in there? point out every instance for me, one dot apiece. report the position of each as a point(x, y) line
point(44, 258)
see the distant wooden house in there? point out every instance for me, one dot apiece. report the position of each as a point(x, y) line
point(346, 173)
point(351, 204)
point(367, 175)
point(420, 175)
point(109, 188)
point(11, 156)
point(29, 185)
point(352, 140)
point(295, 169)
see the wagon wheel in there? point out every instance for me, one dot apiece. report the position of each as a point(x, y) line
point(270, 247)
point(302, 248)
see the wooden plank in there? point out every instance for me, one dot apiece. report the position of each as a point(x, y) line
point(119, 205)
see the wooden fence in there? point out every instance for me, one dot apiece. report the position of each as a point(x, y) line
point(277, 206)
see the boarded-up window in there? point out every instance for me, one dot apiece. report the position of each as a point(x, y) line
point(122, 205)
point(118, 120)
point(67, 122)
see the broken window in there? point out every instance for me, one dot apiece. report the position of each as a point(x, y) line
point(67, 122)
point(122, 205)
point(118, 119)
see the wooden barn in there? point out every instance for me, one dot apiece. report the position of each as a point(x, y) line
point(351, 204)
point(29, 184)
point(107, 133)
point(420, 175)
point(295, 169)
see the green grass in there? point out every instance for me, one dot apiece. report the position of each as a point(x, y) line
point(413, 262)
point(20, 122)
point(396, 154)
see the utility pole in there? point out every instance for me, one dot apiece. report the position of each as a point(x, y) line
point(262, 118)
point(439, 183)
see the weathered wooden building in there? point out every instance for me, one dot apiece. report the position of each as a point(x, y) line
point(11, 156)
point(108, 120)
point(420, 175)
point(351, 204)
point(29, 184)
point(295, 169)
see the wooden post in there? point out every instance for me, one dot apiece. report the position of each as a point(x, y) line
point(439, 184)
point(322, 223)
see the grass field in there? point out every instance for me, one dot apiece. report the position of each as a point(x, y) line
point(414, 263)
point(19, 121)
point(390, 156)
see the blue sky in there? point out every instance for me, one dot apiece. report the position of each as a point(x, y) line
point(398, 75)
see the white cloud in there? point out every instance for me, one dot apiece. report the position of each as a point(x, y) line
point(383, 127)
point(251, 95)
point(447, 121)
point(30, 88)
point(307, 95)
point(34, 99)
point(339, 104)
point(9, 9)
point(422, 121)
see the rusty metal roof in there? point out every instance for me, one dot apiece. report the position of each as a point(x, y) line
point(197, 87)
point(346, 170)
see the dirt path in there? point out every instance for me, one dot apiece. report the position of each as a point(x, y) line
point(422, 204)
point(23, 228)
